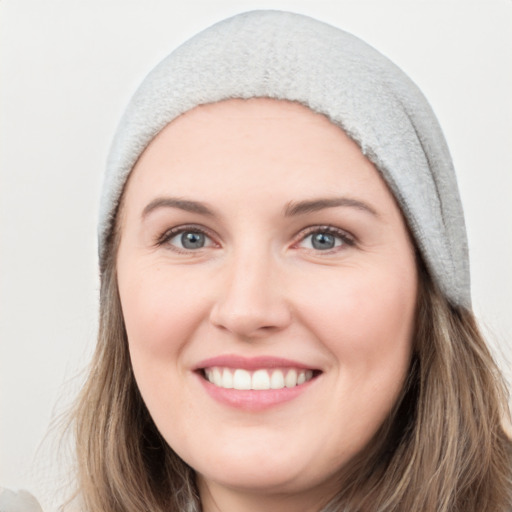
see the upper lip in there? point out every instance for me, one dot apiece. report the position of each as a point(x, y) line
point(251, 363)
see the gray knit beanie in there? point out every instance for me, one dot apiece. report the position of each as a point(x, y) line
point(289, 56)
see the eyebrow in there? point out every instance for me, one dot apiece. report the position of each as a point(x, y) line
point(293, 208)
point(176, 202)
point(301, 207)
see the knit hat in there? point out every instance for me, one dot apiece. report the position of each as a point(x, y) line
point(293, 57)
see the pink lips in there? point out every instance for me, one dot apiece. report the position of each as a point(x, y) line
point(253, 363)
point(253, 399)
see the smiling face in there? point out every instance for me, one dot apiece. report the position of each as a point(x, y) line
point(268, 287)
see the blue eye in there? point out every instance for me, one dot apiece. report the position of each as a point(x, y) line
point(187, 239)
point(325, 239)
point(191, 240)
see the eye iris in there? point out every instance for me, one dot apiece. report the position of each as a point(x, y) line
point(192, 240)
point(323, 241)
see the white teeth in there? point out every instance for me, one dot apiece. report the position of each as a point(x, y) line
point(258, 380)
point(217, 377)
point(227, 379)
point(290, 380)
point(277, 380)
point(242, 379)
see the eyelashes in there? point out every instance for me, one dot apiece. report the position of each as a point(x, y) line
point(188, 238)
point(324, 238)
point(193, 238)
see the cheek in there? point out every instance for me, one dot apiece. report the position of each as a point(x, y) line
point(161, 315)
point(162, 311)
point(374, 310)
point(159, 311)
point(366, 320)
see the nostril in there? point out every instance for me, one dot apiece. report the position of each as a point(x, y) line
point(255, 320)
point(251, 306)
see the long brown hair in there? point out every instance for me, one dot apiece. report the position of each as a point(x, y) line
point(443, 448)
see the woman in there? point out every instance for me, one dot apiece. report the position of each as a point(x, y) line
point(284, 327)
point(285, 311)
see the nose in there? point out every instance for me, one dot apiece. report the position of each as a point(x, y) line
point(251, 301)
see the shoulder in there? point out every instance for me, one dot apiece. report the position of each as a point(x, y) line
point(21, 501)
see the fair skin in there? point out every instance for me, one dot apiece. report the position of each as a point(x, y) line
point(256, 233)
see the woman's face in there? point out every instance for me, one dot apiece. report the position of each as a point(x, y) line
point(268, 286)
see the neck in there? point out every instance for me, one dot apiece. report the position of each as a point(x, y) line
point(218, 498)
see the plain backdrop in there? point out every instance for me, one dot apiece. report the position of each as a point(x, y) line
point(68, 68)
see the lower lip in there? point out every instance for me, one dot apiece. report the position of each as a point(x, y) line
point(253, 400)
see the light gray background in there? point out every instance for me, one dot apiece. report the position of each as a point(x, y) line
point(68, 67)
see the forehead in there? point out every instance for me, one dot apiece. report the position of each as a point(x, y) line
point(252, 108)
point(255, 157)
point(254, 114)
point(253, 138)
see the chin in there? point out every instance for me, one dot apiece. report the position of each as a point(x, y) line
point(266, 480)
point(268, 471)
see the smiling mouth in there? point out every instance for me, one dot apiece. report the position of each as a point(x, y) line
point(260, 379)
